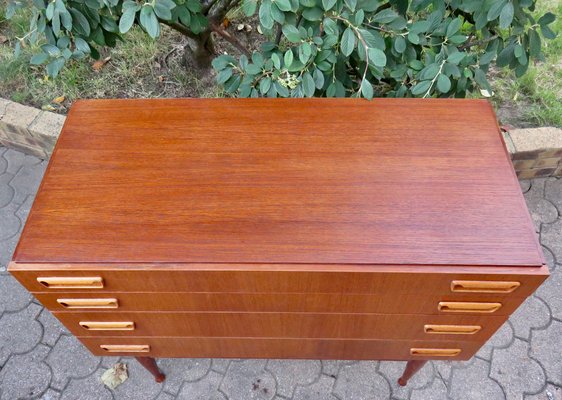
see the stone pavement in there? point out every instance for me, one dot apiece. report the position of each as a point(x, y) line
point(40, 359)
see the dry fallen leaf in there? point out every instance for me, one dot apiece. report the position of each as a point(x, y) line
point(58, 100)
point(48, 107)
point(115, 375)
point(98, 65)
point(486, 93)
point(240, 27)
point(3, 39)
point(248, 28)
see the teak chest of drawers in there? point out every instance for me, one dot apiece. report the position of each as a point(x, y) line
point(324, 228)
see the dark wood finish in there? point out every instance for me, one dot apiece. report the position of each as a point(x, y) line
point(289, 325)
point(412, 367)
point(150, 364)
point(250, 278)
point(324, 349)
point(271, 302)
point(280, 181)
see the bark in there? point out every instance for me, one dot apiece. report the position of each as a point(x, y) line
point(200, 51)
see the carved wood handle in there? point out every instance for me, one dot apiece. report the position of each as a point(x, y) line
point(435, 352)
point(71, 282)
point(88, 303)
point(126, 348)
point(484, 286)
point(461, 306)
point(452, 329)
point(107, 326)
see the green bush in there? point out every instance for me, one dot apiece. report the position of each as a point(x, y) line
point(397, 48)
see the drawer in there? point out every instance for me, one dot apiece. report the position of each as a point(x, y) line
point(286, 325)
point(352, 279)
point(279, 348)
point(268, 302)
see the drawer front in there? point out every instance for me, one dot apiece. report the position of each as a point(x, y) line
point(375, 280)
point(269, 302)
point(280, 348)
point(282, 325)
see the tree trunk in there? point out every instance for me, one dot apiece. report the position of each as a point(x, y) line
point(199, 52)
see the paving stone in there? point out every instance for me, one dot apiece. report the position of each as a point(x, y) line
point(25, 376)
point(393, 370)
point(203, 389)
point(139, 385)
point(542, 212)
point(525, 185)
point(52, 328)
point(290, 373)
point(532, 314)
point(165, 396)
point(51, 394)
point(473, 383)
point(19, 332)
point(6, 191)
point(17, 159)
point(549, 257)
point(248, 379)
point(332, 367)
point(546, 348)
point(81, 364)
point(551, 237)
point(27, 180)
point(550, 392)
point(178, 370)
point(516, 372)
point(501, 339)
point(88, 388)
point(437, 390)
point(220, 364)
point(553, 192)
point(13, 296)
point(551, 292)
point(361, 381)
point(319, 390)
point(11, 224)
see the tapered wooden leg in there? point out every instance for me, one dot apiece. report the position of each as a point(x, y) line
point(150, 364)
point(412, 367)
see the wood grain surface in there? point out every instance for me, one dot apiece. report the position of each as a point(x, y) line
point(390, 181)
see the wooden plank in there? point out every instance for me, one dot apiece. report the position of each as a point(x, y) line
point(281, 181)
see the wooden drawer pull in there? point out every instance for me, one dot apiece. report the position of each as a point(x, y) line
point(126, 348)
point(107, 326)
point(452, 306)
point(484, 286)
point(88, 303)
point(452, 329)
point(67, 282)
point(435, 352)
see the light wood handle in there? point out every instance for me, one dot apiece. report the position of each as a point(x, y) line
point(68, 282)
point(126, 348)
point(452, 329)
point(88, 303)
point(484, 286)
point(107, 326)
point(460, 307)
point(435, 352)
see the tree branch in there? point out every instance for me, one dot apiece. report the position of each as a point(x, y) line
point(180, 28)
point(229, 38)
point(478, 42)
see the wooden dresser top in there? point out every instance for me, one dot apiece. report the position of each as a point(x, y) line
point(323, 181)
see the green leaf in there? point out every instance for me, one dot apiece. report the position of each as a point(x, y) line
point(399, 44)
point(534, 43)
point(194, 6)
point(453, 27)
point(109, 24)
point(347, 42)
point(291, 33)
point(413, 38)
point(54, 67)
point(313, 14)
point(283, 5)
point(506, 16)
point(372, 38)
point(421, 88)
point(253, 69)
point(330, 26)
point(385, 16)
point(265, 14)
point(288, 58)
point(163, 10)
point(223, 61)
point(351, 4)
point(318, 77)
point(265, 85)
point(377, 57)
point(249, 7)
point(80, 21)
point(429, 72)
point(480, 79)
point(328, 4)
point(232, 84)
point(276, 61)
point(308, 85)
point(39, 58)
point(366, 89)
point(547, 32)
point(81, 45)
point(443, 83)
point(149, 21)
point(224, 75)
point(52, 51)
point(505, 57)
point(546, 19)
point(495, 10)
point(456, 57)
point(127, 19)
